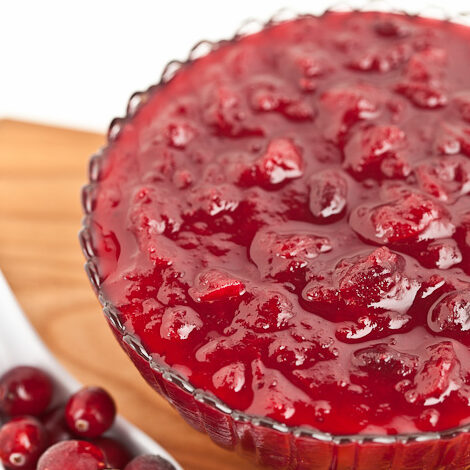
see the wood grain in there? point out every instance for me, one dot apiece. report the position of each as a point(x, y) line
point(41, 171)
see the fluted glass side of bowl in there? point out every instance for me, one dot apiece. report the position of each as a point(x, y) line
point(268, 442)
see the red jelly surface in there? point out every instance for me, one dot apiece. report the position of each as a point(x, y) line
point(287, 223)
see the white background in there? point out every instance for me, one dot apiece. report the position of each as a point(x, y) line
point(75, 62)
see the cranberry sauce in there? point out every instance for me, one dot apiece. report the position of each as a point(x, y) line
point(287, 223)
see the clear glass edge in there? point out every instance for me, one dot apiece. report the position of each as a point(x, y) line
point(135, 101)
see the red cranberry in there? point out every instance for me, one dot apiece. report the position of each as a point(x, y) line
point(376, 280)
point(22, 440)
point(427, 65)
point(281, 162)
point(227, 113)
point(115, 452)
point(56, 426)
point(345, 106)
point(378, 151)
point(328, 194)
point(410, 217)
point(422, 95)
point(90, 412)
point(213, 285)
point(148, 462)
point(25, 390)
point(384, 362)
point(268, 310)
point(439, 368)
point(180, 322)
point(462, 102)
point(450, 315)
point(270, 96)
point(72, 455)
point(282, 254)
point(380, 59)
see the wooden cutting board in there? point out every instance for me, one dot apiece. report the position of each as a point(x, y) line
point(41, 171)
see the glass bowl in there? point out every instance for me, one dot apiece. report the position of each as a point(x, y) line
point(268, 442)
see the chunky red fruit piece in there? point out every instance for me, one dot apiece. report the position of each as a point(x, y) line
point(266, 311)
point(450, 315)
point(422, 95)
point(328, 194)
point(282, 254)
point(380, 60)
point(282, 161)
point(453, 138)
point(344, 106)
point(434, 378)
point(378, 151)
point(364, 283)
point(149, 462)
point(462, 101)
point(180, 134)
point(270, 96)
point(442, 254)
point(282, 222)
point(384, 362)
point(115, 452)
point(213, 286)
point(411, 217)
point(90, 412)
point(25, 390)
point(72, 455)
point(445, 179)
point(179, 322)
point(427, 65)
point(22, 440)
point(226, 113)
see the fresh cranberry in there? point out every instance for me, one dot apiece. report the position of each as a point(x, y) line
point(25, 390)
point(56, 426)
point(328, 194)
point(72, 455)
point(22, 440)
point(90, 412)
point(115, 452)
point(148, 462)
point(378, 151)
